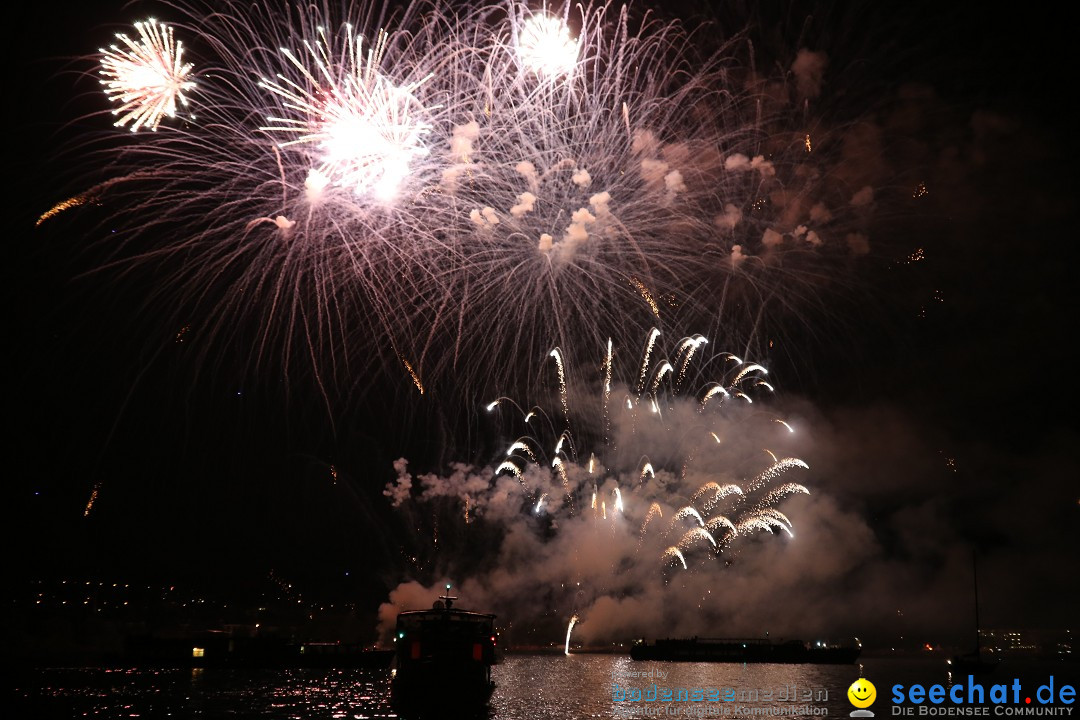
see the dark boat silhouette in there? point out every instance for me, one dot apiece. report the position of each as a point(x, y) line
point(976, 661)
point(750, 650)
point(442, 659)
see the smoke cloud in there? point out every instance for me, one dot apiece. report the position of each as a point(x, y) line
point(597, 521)
point(874, 548)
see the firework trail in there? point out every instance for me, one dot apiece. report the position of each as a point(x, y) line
point(430, 190)
point(569, 629)
point(575, 505)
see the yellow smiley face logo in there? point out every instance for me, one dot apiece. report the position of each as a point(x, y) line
point(862, 693)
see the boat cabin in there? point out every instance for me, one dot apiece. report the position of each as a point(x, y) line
point(443, 654)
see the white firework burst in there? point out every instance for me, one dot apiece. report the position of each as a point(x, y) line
point(147, 77)
point(368, 129)
point(545, 46)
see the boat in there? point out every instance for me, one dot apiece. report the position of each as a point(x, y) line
point(974, 662)
point(443, 658)
point(743, 650)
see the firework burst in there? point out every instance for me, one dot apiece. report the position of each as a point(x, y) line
point(611, 507)
point(545, 46)
point(146, 77)
point(647, 431)
point(366, 128)
point(436, 189)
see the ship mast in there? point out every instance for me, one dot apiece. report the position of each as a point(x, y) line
point(449, 599)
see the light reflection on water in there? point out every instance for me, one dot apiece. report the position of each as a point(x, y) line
point(206, 693)
point(530, 687)
point(582, 685)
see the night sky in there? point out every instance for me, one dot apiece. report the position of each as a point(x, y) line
point(941, 390)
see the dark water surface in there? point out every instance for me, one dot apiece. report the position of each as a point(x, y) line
point(530, 687)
